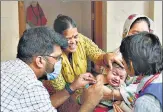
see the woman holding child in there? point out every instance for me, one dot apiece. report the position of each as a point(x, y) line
point(134, 24)
point(142, 56)
point(75, 56)
point(72, 67)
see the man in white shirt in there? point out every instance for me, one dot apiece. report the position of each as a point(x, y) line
point(39, 54)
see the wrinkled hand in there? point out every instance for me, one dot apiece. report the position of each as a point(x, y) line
point(109, 58)
point(82, 80)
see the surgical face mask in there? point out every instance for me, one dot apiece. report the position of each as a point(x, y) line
point(56, 72)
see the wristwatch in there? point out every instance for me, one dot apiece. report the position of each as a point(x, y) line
point(67, 87)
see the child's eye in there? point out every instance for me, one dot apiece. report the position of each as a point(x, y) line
point(122, 77)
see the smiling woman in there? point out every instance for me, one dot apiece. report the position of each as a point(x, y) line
point(75, 56)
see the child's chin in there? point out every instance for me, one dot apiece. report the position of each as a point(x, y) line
point(115, 85)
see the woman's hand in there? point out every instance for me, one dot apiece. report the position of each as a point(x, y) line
point(92, 96)
point(109, 58)
point(83, 80)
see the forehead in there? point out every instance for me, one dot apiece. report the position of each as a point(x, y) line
point(119, 71)
point(70, 32)
point(56, 51)
point(140, 26)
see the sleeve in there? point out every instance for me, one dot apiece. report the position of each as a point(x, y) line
point(93, 52)
point(128, 94)
point(59, 83)
point(147, 103)
point(36, 98)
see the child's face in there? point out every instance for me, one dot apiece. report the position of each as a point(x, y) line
point(116, 76)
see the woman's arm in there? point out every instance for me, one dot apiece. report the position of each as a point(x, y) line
point(108, 93)
point(111, 94)
point(90, 99)
point(61, 96)
point(127, 94)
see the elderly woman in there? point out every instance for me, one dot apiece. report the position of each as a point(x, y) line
point(79, 50)
point(74, 58)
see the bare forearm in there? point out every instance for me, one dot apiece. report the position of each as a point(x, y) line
point(74, 96)
point(59, 98)
point(117, 95)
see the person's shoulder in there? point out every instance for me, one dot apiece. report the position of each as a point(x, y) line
point(10, 65)
point(83, 37)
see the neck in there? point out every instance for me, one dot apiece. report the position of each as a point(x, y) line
point(67, 52)
point(35, 70)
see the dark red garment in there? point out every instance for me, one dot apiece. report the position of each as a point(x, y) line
point(101, 109)
point(36, 16)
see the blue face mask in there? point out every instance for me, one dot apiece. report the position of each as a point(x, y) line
point(56, 72)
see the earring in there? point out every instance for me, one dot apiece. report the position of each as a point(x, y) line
point(131, 67)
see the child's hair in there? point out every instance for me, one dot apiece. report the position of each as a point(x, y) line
point(114, 64)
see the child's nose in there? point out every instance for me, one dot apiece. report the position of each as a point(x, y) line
point(117, 78)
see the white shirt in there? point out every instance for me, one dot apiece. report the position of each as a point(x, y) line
point(21, 91)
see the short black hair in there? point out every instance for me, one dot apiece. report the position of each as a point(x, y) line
point(144, 50)
point(62, 23)
point(160, 64)
point(141, 19)
point(38, 41)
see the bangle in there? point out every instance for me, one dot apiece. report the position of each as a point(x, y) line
point(68, 89)
point(112, 94)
